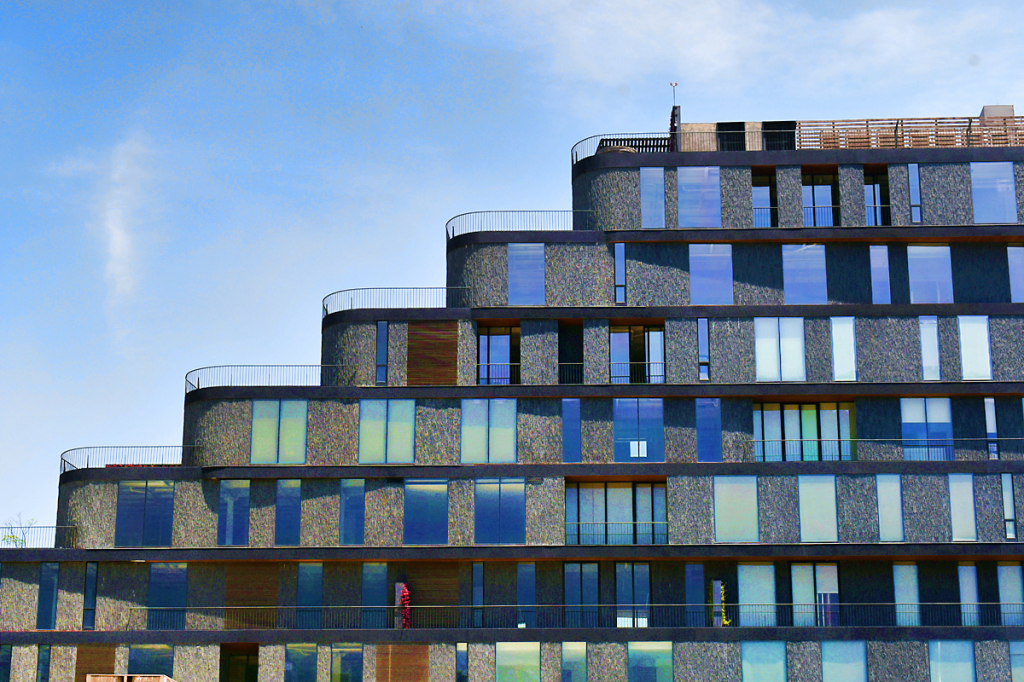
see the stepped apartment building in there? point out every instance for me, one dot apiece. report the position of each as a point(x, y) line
point(750, 412)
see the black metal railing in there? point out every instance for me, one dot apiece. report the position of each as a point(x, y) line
point(498, 374)
point(877, 215)
point(570, 373)
point(519, 221)
point(911, 449)
point(637, 372)
point(766, 216)
point(277, 375)
point(805, 450)
point(396, 297)
point(123, 456)
point(38, 537)
point(821, 216)
point(616, 533)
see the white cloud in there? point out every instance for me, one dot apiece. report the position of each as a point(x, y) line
point(122, 196)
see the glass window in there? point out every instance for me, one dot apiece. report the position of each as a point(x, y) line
point(880, 292)
point(1011, 593)
point(974, 347)
point(461, 662)
point(967, 575)
point(478, 594)
point(779, 349)
point(765, 199)
point(426, 512)
point(890, 507)
point(168, 586)
point(572, 431)
point(711, 274)
point(637, 354)
point(844, 349)
point(1009, 507)
point(756, 594)
point(309, 596)
point(632, 595)
point(489, 431)
point(352, 511)
point(931, 275)
point(526, 274)
point(844, 662)
point(821, 200)
point(815, 594)
point(915, 193)
point(993, 192)
point(574, 662)
point(703, 350)
point(652, 197)
point(5, 662)
point(288, 513)
point(927, 429)
point(151, 659)
point(620, 273)
point(497, 355)
point(619, 513)
point(951, 661)
point(382, 354)
point(991, 430)
point(1015, 258)
point(817, 508)
point(500, 511)
point(929, 326)
point(526, 594)
point(700, 196)
point(908, 605)
point(696, 596)
point(807, 433)
point(375, 595)
point(581, 597)
point(763, 661)
point(233, 513)
point(649, 661)
point(89, 600)
point(517, 662)
point(387, 431)
point(709, 429)
point(1016, 661)
point(43, 663)
point(278, 432)
point(639, 429)
point(46, 613)
point(961, 506)
point(347, 663)
point(803, 274)
point(300, 662)
point(145, 514)
point(736, 509)
point(876, 199)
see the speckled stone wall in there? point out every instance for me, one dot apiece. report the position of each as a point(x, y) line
point(19, 595)
point(606, 662)
point(981, 273)
point(545, 508)
point(778, 509)
point(757, 274)
point(992, 661)
point(540, 430)
point(467, 353)
point(857, 508)
point(550, 662)
point(946, 194)
point(848, 272)
point(681, 351)
point(737, 202)
point(262, 513)
point(888, 349)
point(732, 350)
point(789, 187)
point(206, 584)
point(353, 345)
point(1007, 349)
point(1018, 178)
point(851, 195)
point(461, 509)
point(196, 506)
point(196, 663)
point(949, 349)
point(385, 512)
point(680, 420)
point(596, 352)
point(926, 509)
point(691, 510)
point(321, 508)
point(707, 661)
point(70, 589)
point(657, 274)
point(737, 430)
point(898, 662)
point(222, 429)
point(23, 662)
point(803, 661)
point(988, 508)
point(438, 431)
point(481, 662)
point(579, 275)
point(539, 352)
point(899, 194)
point(62, 664)
point(332, 432)
point(369, 663)
point(596, 428)
point(613, 194)
point(398, 353)
point(969, 423)
point(483, 268)
point(121, 660)
point(879, 418)
point(1018, 497)
point(441, 662)
point(343, 581)
point(118, 586)
point(671, 198)
point(90, 506)
point(818, 349)
point(271, 663)
point(323, 663)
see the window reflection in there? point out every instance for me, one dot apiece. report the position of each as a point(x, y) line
point(931, 274)
point(652, 198)
point(526, 274)
point(993, 192)
point(426, 512)
point(638, 429)
point(500, 511)
point(637, 354)
point(803, 274)
point(700, 196)
point(711, 274)
point(615, 513)
point(804, 432)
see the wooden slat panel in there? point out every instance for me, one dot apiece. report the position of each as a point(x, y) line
point(433, 583)
point(251, 584)
point(433, 353)
point(93, 659)
point(402, 663)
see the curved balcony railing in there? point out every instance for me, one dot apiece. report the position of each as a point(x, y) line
point(396, 297)
point(123, 456)
point(38, 537)
point(519, 221)
point(272, 375)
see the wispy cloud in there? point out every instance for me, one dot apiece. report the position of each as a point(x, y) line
point(122, 196)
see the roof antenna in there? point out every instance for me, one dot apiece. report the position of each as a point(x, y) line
point(673, 93)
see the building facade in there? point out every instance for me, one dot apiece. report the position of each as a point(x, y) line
point(753, 410)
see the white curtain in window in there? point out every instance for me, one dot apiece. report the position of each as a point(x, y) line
point(974, 347)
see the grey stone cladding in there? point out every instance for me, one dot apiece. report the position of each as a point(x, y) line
point(271, 663)
point(848, 273)
point(461, 507)
point(343, 583)
point(789, 187)
point(92, 508)
point(398, 353)
point(737, 202)
point(981, 273)
point(19, 595)
point(545, 506)
point(857, 508)
point(757, 274)
point(778, 505)
point(881, 418)
point(681, 351)
point(540, 430)
point(737, 430)
point(606, 662)
point(483, 270)
point(596, 352)
point(992, 661)
point(539, 352)
point(206, 585)
point(579, 275)
point(441, 662)
point(612, 194)
point(70, 589)
point(671, 198)
point(899, 194)
point(905, 661)
point(732, 350)
point(262, 513)
point(332, 432)
point(481, 662)
point(680, 430)
point(888, 349)
point(988, 506)
point(320, 511)
point(438, 431)
point(691, 510)
point(550, 662)
point(946, 194)
point(222, 430)
point(803, 661)
point(119, 585)
point(596, 427)
point(195, 514)
point(707, 661)
point(352, 347)
point(926, 508)
point(1006, 336)
point(657, 274)
point(1018, 179)
point(949, 349)
point(467, 353)
point(851, 195)
point(385, 513)
point(818, 349)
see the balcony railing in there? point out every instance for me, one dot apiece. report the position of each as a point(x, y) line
point(821, 216)
point(38, 537)
point(123, 456)
point(637, 372)
point(912, 449)
point(396, 297)
point(273, 375)
point(616, 533)
point(877, 215)
point(766, 216)
point(570, 373)
point(498, 374)
point(519, 221)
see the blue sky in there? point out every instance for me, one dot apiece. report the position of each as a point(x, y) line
point(181, 183)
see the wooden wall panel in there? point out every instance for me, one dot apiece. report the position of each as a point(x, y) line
point(402, 663)
point(93, 659)
point(433, 353)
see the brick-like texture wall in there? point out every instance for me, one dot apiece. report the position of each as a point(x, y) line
point(19, 595)
point(981, 273)
point(1007, 354)
point(579, 275)
point(461, 507)
point(848, 272)
point(905, 661)
point(899, 193)
point(803, 661)
point(879, 418)
point(818, 349)
point(481, 662)
point(737, 430)
point(262, 513)
point(538, 351)
point(354, 346)
point(597, 430)
point(732, 350)
point(441, 662)
point(196, 663)
point(707, 661)
point(681, 351)
point(992, 661)
point(321, 499)
point(851, 195)
point(540, 430)
point(90, 506)
point(596, 352)
point(467, 353)
point(857, 508)
point(206, 586)
point(680, 430)
point(385, 513)
point(606, 662)
point(888, 349)
point(119, 586)
point(613, 194)
point(70, 595)
point(789, 186)
point(398, 353)
point(757, 274)
point(271, 663)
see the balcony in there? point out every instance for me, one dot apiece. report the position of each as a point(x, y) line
point(766, 216)
point(637, 372)
point(821, 216)
point(616, 533)
point(38, 537)
point(123, 456)
point(877, 215)
point(519, 221)
point(274, 375)
point(396, 297)
point(498, 374)
point(570, 373)
point(846, 449)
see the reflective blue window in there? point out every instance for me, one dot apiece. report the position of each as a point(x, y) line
point(168, 588)
point(650, 661)
point(462, 662)
point(931, 274)
point(951, 660)
point(145, 514)
point(489, 431)
point(233, 514)
point(375, 594)
point(994, 192)
point(381, 374)
point(1015, 262)
point(46, 613)
point(574, 662)
point(526, 274)
point(300, 662)
point(844, 662)
point(880, 292)
point(700, 196)
point(387, 430)
point(615, 513)
point(426, 512)
point(346, 663)
point(620, 273)
point(696, 596)
point(711, 274)
point(352, 511)
point(526, 595)
point(632, 595)
point(581, 597)
point(763, 661)
point(803, 274)
point(709, 429)
point(517, 662)
point(500, 511)
point(151, 659)
point(639, 429)
point(652, 197)
point(821, 200)
point(572, 431)
point(927, 429)
point(89, 597)
point(278, 432)
point(5, 662)
point(309, 596)
point(288, 512)
point(43, 663)
point(914, 177)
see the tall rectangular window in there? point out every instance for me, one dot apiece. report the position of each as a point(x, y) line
point(951, 660)
point(908, 601)
point(779, 349)
point(300, 662)
point(890, 507)
point(278, 432)
point(804, 433)
point(519, 661)
point(375, 595)
point(6, 651)
point(821, 200)
point(352, 511)
point(639, 429)
point(461, 662)
point(309, 599)
point(151, 659)
point(844, 662)
point(817, 508)
point(764, 198)
point(876, 199)
point(526, 274)
point(930, 368)
point(700, 196)
point(426, 511)
point(803, 274)
point(1016, 661)
point(815, 594)
point(703, 350)
point(636, 354)
point(1015, 262)
point(581, 596)
point(711, 274)
point(387, 431)
point(46, 613)
point(233, 513)
point(709, 429)
point(1009, 507)
point(696, 596)
point(620, 273)
point(931, 274)
point(615, 513)
point(991, 429)
point(967, 575)
point(763, 661)
point(500, 511)
point(649, 661)
point(145, 514)
point(89, 597)
point(652, 198)
point(43, 663)
point(755, 590)
point(574, 662)
point(961, 507)
point(879, 258)
point(381, 374)
point(993, 192)
point(478, 594)
point(168, 588)
point(347, 663)
point(914, 177)
point(927, 429)
point(572, 431)
point(526, 594)
point(1011, 593)
point(736, 509)
point(288, 513)
point(974, 347)
point(844, 349)
point(488, 431)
